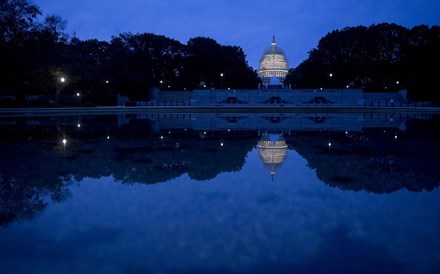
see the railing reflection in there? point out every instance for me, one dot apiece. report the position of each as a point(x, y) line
point(379, 153)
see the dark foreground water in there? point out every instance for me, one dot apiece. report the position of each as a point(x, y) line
point(299, 193)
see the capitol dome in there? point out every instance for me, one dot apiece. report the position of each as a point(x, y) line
point(273, 65)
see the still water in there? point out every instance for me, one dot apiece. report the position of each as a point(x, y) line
point(220, 193)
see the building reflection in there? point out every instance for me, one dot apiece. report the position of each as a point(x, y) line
point(272, 150)
point(369, 153)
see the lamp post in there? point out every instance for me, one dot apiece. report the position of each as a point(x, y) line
point(59, 88)
point(331, 77)
point(221, 80)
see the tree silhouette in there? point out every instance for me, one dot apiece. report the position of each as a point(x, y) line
point(383, 57)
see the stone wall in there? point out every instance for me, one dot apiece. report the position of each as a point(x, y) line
point(296, 97)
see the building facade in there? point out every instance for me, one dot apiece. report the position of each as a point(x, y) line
point(273, 67)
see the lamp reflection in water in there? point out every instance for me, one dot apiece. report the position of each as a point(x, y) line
point(272, 150)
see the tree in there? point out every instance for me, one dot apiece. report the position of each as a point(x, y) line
point(36, 53)
point(207, 60)
point(28, 48)
point(17, 20)
point(383, 57)
point(139, 62)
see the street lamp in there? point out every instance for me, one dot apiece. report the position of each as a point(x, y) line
point(221, 80)
point(59, 87)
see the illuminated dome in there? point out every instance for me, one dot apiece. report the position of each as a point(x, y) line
point(273, 65)
point(272, 150)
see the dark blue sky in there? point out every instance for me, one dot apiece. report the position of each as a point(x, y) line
point(297, 24)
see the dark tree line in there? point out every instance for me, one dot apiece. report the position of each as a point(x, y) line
point(381, 57)
point(36, 54)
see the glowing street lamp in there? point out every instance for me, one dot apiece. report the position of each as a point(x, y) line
point(221, 80)
point(59, 87)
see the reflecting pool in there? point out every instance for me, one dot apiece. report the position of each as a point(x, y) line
point(220, 193)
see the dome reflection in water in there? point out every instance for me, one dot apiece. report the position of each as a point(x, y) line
point(272, 150)
point(189, 194)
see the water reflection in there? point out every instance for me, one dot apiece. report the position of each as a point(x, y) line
point(43, 156)
point(272, 149)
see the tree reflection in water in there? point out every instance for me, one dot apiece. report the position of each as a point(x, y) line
point(36, 167)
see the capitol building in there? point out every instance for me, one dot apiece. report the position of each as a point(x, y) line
point(273, 66)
